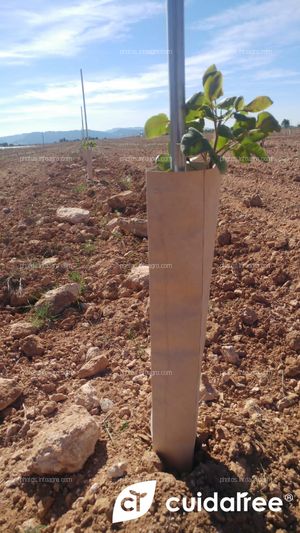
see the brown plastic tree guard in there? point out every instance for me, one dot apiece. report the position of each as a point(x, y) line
point(182, 218)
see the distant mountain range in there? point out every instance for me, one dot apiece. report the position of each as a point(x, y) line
point(38, 137)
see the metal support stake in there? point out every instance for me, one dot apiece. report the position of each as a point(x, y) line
point(84, 106)
point(82, 125)
point(175, 10)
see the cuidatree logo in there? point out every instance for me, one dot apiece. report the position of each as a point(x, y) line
point(134, 501)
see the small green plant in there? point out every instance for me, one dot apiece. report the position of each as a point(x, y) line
point(125, 183)
point(88, 247)
point(242, 138)
point(88, 143)
point(87, 146)
point(80, 188)
point(124, 425)
point(76, 277)
point(41, 315)
point(131, 334)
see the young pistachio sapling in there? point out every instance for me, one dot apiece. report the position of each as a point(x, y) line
point(88, 145)
point(241, 138)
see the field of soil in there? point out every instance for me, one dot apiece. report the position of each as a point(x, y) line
point(248, 429)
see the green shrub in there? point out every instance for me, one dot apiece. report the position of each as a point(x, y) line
point(251, 125)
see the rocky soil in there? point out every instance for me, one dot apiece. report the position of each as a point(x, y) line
point(75, 386)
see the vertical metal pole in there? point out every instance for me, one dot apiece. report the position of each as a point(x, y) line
point(175, 10)
point(82, 124)
point(84, 106)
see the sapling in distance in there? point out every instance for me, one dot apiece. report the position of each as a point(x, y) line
point(249, 125)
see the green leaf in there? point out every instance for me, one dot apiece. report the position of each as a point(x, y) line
point(255, 149)
point(256, 135)
point(156, 126)
point(213, 87)
point(258, 104)
point(244, 122)
point(219, 161)
point(241, 116)
point(197, 124)
point(209, 72)
point(224, 131)
point(193, 114)
point(267, 123)
point(193, 143)
point(242, 154)
point(195, 101)
point(227, 103)
point(163, 162)
point(193, 105)
point(206, 112)
point(239, 103)
point(221, 143)
point(258, 151)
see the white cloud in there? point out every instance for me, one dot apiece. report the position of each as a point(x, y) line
point(245, 42)
point(277, 73)
point(64, 31)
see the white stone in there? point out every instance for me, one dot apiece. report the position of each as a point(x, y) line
point(74, 215)
point(64, 445)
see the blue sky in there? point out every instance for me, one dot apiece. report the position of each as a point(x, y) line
point(121, 46)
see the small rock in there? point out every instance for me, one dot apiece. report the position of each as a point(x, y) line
point(101, 506)
point(207, 392)
point(32, 346)
point(140, 379)
point(93, 366)
point(56, 300)
point(138, 278)
point(251, 407)
point(106, 405)
point(49, 261)
point(121, 200)
point(254, 201)
point(152, 462)
point(292, 368)
point(280, 278)
point(95, 487)
point(10, 391)
point(288, 401)
point(117, 470)
point(293, 340)
point(213, 332)
point(73, 215)
point(134, 226)
point(21, 329)
point(124, 411)
point(93, 313)
point(58, 397)
point(49, 408)
point(65, 445)
point(224, 238)
point(87, 396)
point(231, 355)
point(12, 430)
point(92, 352)
point(29, 526)
point(282, 244)
point(226, 378)
point(249, 317)
point(113, 223)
